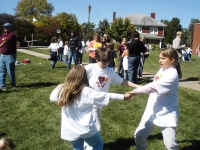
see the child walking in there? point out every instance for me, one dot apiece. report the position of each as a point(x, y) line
point(100, 76)
point(53, 47)
point(66, 49)
point(76, 98)
point(162, 106)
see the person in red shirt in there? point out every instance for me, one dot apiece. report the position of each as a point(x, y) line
point(8, 56)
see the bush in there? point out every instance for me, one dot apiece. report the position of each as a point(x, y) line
point(155, 47)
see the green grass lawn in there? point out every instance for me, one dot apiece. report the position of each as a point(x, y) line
point(33, 122)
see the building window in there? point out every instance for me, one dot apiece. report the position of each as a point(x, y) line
point(153, 30)
point(139, 29)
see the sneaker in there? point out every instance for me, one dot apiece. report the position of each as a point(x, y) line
point(14, 88)
point(3, 88)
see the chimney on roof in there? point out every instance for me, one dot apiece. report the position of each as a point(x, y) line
point(114, 15)
point(153, 15)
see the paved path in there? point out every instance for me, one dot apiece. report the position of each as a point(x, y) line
point(195, 85)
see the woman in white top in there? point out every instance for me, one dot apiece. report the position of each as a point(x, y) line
point(77, 98)
point(53, 47)
point(162, 107)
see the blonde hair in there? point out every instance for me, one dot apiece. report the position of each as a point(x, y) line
point(124, 39)
point(179, 33)
point(171, 54)
point(75, 81)
point(66, 42)
point(143, 39)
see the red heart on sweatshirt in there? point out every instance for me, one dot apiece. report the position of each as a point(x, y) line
point(101, 79)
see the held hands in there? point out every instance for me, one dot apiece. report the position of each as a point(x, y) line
point(128, 96)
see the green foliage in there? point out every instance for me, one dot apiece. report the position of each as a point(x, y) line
point(28, 9)
point(67, 22)
point(190, 31)
point(155, 47)
point(172, 27)
point(87, 30)
point(103, 27)
point(121, 28)
point(23, 29)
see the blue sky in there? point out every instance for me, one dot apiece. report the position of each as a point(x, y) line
point(185, 10)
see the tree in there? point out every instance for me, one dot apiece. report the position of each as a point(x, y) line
point(103, 27)
point(191, 30)
point(88, 30)
point(173, 26)
point(23, 29)
point(67, 22)
point(121, 28)
point(28, 9)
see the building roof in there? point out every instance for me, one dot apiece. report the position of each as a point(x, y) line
point(143, 20)
point(151, 36)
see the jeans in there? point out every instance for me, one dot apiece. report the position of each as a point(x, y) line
point(144, 130)
point(60, 53)
point(71, 53)
point(53, 58)
point(7, 63)
point(59, 56)
point(133, 64)
point(66, 59)
point(142, 60)
point(125, 74)
point(95, 141)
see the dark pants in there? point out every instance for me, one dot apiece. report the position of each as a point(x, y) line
point(92, 60)
point(133, 64)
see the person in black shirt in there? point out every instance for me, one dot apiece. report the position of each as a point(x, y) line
point(135, 48)
point(73, 48)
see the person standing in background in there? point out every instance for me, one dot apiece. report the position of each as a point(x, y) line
point(73, 47)
point(8, 56)
point(93, 45)
point(60, 49)
point(178, 46)
point(66, 48)
point(53, 47)
point(81, 51)
point(121, 49)
point(135, 48)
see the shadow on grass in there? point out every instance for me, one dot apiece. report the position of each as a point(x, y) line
point(195, 145)
point(190, 79)
point(156, 136)
point(125, 144)
point(38, 84)
point(2, 134)
point(120, 144)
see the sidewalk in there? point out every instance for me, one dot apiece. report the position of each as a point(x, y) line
point(194, 85)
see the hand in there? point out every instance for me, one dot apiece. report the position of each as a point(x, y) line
point(128, 96)
point(131, 92)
